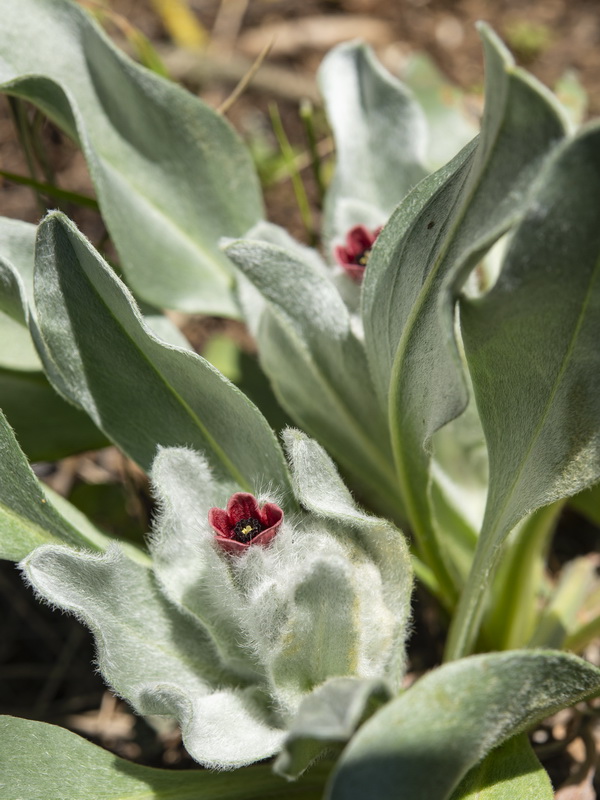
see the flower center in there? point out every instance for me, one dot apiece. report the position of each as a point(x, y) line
point(362, 258)
point(246, 529)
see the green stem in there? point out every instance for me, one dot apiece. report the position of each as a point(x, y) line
point(579, 639)
point(425, 576)
point(39, 148)
point(560, 614)
point(24, 134)
point(413, 481)
point(307, 117)
point(465, 623)
point(290, 160)
point(514, 592)
point(51, 190)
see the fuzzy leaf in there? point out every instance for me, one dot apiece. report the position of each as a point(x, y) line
point(511, 771)
point(17, 243)
point(317, 364)
point(327, 719)
point(319, 488)
point(172, 176)
point(323, 620)
point(423, 256)
point(587, 503)
point(452, 124)
point(17, 351)
point(61, 429)
point(380, 136)
point(421, 745)
point(47, 428)
point(138, 390)
point(162, 661)
point(231, 644)
point(69, 766)
point(17, 259)
point(531, 345)
point(196, 578)
point(326, 598)
point(27, 516)
point(458, 488)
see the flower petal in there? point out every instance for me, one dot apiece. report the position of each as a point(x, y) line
point(242, 505)
point(232, 545)
point(271, 514)
point(358, 239)
point(266, 537)
point(341, 255)
point(219, 520)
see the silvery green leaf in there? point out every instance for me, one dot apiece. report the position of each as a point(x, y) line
point(587, 503)
point(269, 233)
point(27, 516)
point(191, 572)
point(578, 581)
point(226, 729)
point(540, 411)
point(380, 134)
point(573, 97)
point(422, 258)
point(317, 364)
point(231, 644)
point(327, 719)
point(17, 258)
point(316, 606)
point(322, 637)
point(171, 175)
point(17, 351)
point(458, 488)
point(163, 327)
point(162, 661)
point(329, 597)
point(140, 391)
point(17, 243)
point(69, 766)
point(319, 488)
point(59, 431)
point(450, 121)
point(62, 429)
point(249, 296)
point(422, 744)
point(510, 771)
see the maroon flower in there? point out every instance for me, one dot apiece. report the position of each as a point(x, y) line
point(244, 523)
point(353, 257)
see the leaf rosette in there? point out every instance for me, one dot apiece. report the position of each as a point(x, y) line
point(231, 643)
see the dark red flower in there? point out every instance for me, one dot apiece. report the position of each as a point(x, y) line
point(243, 523)
point(353, 257)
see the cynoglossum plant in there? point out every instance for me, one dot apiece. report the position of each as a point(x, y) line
point(278, 624)
point(406, 345)
point(210, 640)
point(361, 440)
point(232, 646)
point(230, 642)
